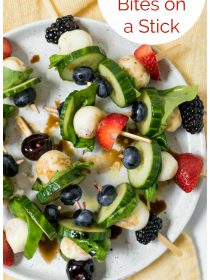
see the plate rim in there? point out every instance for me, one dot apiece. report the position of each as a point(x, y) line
point(33, 24)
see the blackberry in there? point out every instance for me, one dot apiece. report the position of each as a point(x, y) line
point(150, 232)
point(57, 28)
point(192, 115)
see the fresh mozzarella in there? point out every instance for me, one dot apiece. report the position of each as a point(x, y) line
point(72, 251)
point(71, 41)
point(174, 121)
point(169, 167)
point(136, 70)
point(86, 121)
point(14, 64)
point(16, 231)
point(137, 220)
point(50, 163)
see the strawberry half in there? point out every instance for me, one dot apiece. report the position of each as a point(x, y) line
point(7, 48)
point(190, 167)
point(8, 255)
point(147, 58)
point(109, 128)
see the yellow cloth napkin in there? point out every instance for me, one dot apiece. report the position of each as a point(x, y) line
point(19, 12)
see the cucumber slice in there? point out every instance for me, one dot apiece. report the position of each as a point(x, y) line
point(52, 190)
point(120, 208)
point(146, 174)
point(7, 188)
point(89, 57)
point(67, 228)
point(37, 185)
point(8, 110)
point(37, 216)
point(34, 232)
point(151, 125)
point(25, 85)
point(72, 104)
point(123, 94)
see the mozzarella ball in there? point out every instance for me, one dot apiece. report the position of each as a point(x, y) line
point(169, 167)
point(72, 251)
point(138, 218)
point(71, 41)
point(16, 231)
point(136, 70)
point(174, 121)
point(14, 64)
point(86, 121)
point(50, 163)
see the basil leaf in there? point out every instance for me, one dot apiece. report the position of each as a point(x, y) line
point(149, 194)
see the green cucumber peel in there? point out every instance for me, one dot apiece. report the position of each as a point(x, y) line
point(13, 78)
point(55, 59)
point(34, 232)
point(162, 142)
point(37, 185)
point(7, 188)
point(173, 97)
point(72, 104)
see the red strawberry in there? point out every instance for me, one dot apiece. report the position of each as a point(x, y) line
point(147, 58)
point(190, 167)
point(8, 255)
point(7, 48)
point(109, 128)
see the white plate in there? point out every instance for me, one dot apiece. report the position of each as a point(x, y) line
point(128, 256)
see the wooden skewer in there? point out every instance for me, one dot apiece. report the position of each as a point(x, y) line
point(35, 108)
point(173, 248)
point(135, 137)
point(19, 161)
point(203, 175)
point(51, 109)
point(23, 127)
point(5, 150)
point(161, 55)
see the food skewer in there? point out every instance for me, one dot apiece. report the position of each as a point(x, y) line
point(163, 54)
point(122, 133)
point(35, 108)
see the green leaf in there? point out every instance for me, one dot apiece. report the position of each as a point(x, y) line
point(55, 59)
point(149, 194)
point(98, 249)
point(37, 185)
point(8, 110)
point(88, 143)
point(7, 188)
point(13, 78)
point(34, 232)
point(173, 97)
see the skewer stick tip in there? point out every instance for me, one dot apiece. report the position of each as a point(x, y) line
point(171, 246)
point(35, 108)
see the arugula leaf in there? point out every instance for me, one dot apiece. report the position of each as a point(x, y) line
point(7, 188)
point(8, 110)
point(149, 194)
point(88, 143)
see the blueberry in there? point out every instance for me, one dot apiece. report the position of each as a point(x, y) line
point(83, 218)
point(10, 167)
point(25, 97)
point(106, 195)
point(139, 111)
point(131, 157)
point(71, 194)
point(52, 213)
point(60, 107)
point(105, 88)
point(80, 270)
point(83, 75)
